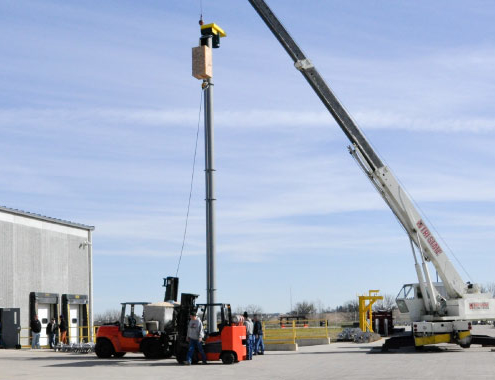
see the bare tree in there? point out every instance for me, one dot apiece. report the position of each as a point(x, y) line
point(320, 308)
point(387, 303)
point(107, 316)
point(251, 309)
point(488, 287)
point(351, 306)
point(304, 308)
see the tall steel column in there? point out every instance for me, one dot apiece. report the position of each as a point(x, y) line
point(203, 69)
point(210, 202)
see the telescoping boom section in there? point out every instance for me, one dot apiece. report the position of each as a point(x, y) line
point(451, 300)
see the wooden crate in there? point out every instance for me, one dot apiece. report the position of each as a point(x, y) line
point(202, 66)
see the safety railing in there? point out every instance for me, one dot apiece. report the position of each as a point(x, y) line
point(82, 337)
point(277, 332)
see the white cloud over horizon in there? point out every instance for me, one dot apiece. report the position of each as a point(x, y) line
point(94, 118)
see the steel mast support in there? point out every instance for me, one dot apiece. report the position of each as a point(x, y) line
point(203, 69)
point(211, 287)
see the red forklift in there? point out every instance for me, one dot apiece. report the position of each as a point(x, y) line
point(117, 338)
point(228, 344)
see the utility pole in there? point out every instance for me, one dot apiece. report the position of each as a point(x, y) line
point(203, 69)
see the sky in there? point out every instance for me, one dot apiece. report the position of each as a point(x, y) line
point(98, 121)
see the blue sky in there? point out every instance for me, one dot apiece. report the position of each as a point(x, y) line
point(98, 117)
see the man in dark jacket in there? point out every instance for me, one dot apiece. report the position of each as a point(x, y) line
point(51, 332)
point(35, 331)
point(259, 346)
point(63, 330)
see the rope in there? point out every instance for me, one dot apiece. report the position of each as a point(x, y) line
point(191, 187)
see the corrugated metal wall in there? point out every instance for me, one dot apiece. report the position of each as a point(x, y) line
point(39, 256)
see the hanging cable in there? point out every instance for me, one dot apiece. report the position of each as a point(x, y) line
point(191, 187)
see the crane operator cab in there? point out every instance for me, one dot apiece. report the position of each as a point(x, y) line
point(410, 300)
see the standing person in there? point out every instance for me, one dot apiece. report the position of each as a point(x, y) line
point(259, 346)
point(63, 330)
point(51, 332)
point(35, 332)
point(249, 336)
point(195, 335)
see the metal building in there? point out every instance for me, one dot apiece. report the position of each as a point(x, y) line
point(46, 269)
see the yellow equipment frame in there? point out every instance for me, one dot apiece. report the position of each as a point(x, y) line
point(365, 308)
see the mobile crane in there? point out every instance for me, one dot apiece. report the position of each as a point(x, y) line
point(440, 312)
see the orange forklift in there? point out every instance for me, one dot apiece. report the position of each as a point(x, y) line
point(117, 338)
point(229, 343)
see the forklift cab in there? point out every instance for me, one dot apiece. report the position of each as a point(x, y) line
point(228, 344)
point(225, 316)
point(131, 324)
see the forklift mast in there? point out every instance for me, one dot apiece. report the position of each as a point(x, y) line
point(182, 313)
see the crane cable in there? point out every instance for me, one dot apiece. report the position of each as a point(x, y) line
point(191, 186)
point(194, 159)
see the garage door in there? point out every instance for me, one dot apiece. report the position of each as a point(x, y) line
point(74, 323)
point(44, 317)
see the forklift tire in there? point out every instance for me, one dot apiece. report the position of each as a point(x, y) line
point(104, 348)
point(119, 354)
point(152, 349)
point(228, 357)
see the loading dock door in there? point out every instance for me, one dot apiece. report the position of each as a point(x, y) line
point(44, 318)
point(45, 305)
point(75, 310)
point(74, 323)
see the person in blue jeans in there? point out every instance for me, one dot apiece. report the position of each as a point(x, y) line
point(51, 332)
point(195, 335)
point(35, 331)
point(259, 346)
point(249, 336)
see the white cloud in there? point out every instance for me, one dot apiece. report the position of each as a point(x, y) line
point(114, 120)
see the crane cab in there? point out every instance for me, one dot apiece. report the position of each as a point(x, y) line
point(411, 302)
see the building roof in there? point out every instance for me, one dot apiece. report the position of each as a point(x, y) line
point(45, 218)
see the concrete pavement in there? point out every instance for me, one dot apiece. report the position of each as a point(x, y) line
point(335, 361)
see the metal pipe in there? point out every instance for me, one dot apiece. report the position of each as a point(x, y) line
point(210, 203)
point(431, 289)
point(90, 267)
point(421, 279)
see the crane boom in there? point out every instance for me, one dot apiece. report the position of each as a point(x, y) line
point(379, 174)
point(307, 69)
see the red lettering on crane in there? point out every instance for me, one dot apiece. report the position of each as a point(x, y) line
point(435, 247)
point(479, 306)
